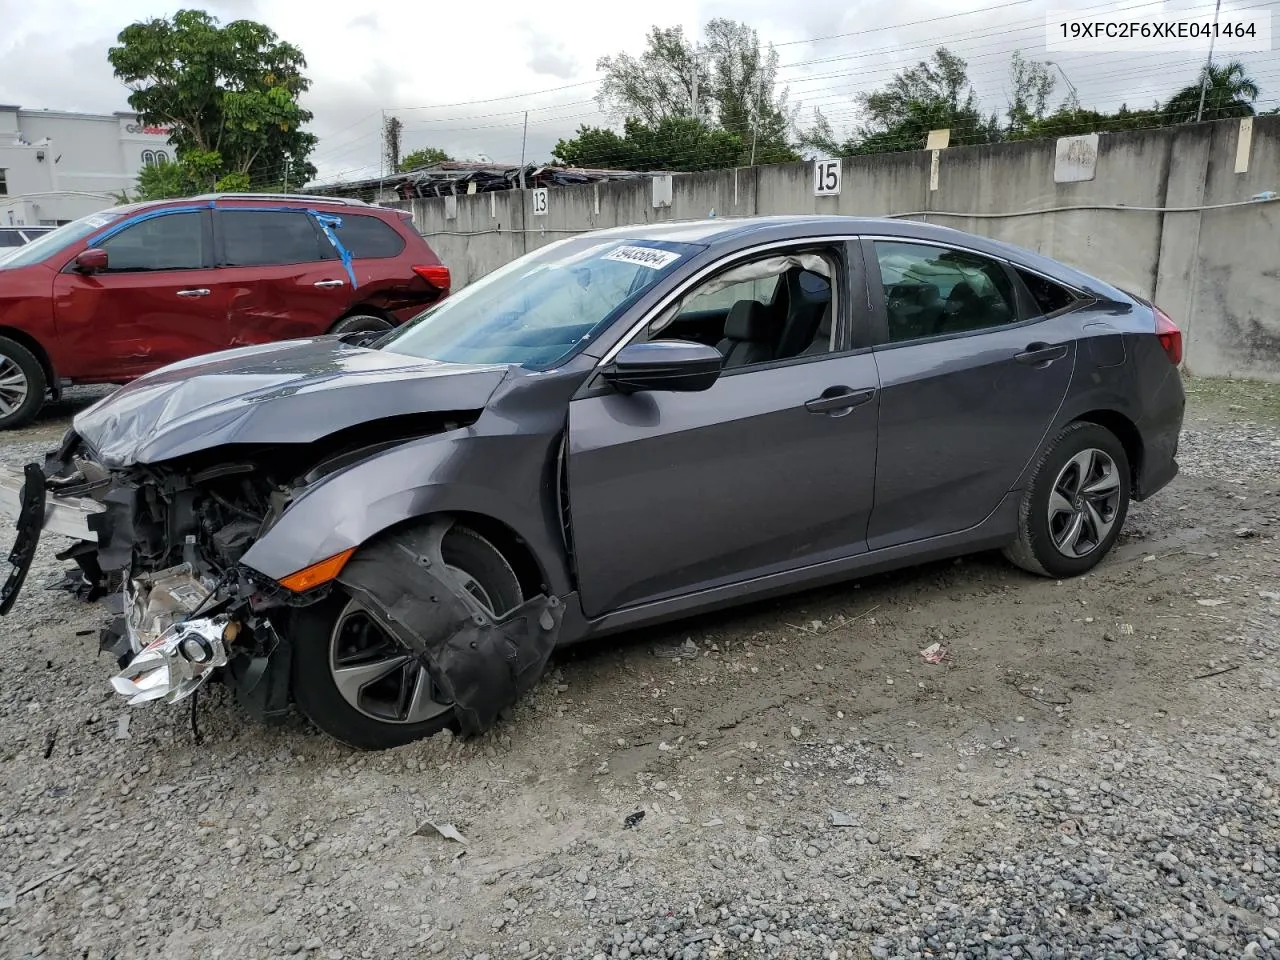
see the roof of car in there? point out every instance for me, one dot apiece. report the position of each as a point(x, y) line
point(739, 231)
point(273, 199)
point(714, 230)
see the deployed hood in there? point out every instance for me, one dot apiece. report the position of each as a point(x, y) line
point(292, 392)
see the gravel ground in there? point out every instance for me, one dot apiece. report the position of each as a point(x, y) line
point(1092, 772)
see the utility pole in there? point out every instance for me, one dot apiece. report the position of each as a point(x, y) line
point(524, 140)
point(382, 154)
point(1208, 64)
point(755, 125)
point(693, 92)
point(1075, 95)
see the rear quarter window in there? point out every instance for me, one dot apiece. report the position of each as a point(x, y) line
point(1049, 296)
point(369, 238)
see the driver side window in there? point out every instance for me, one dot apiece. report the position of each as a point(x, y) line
point(766, 310)
point(172, 241)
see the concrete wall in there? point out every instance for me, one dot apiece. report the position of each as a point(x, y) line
point(1215, 271)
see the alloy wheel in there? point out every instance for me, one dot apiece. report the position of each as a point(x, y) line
point(1084, 503)
point(376, 675)
point(13, 386)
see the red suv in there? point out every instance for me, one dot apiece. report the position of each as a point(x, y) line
point(114, 295)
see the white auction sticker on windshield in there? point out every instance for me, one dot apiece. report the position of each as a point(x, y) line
point(644, 257)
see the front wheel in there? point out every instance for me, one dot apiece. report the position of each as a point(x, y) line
point(361, 322)
point(22, 385)
point(360, 685)
point(1075, 504)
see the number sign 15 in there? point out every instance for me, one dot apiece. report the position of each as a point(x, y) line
point(826, 178)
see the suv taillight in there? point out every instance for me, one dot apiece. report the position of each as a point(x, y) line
point(437, 275)
point(1169, 335)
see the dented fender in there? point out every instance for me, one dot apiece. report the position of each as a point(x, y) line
point(464, 471)
point(484, 469)
point(481, 663)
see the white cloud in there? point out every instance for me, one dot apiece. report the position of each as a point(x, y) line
point(465, 85)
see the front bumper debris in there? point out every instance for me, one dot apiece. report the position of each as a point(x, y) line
point(66, 516)
point(24, 495)
point(163, 654)
point(173, 666)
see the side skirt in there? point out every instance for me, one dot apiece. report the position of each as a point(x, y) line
point(995, 531)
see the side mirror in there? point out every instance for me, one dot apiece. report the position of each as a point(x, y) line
point(92, 260)
point(664, 365)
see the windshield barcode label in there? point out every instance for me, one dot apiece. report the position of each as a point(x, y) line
point(644, 257)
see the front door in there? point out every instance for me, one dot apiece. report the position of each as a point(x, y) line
point(157, 302)
point(969, 385)
point(770, 469)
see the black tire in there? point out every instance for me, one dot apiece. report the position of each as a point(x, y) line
point(361, 321)
point(15, 360)
point(312, 629)
point(1036, 549)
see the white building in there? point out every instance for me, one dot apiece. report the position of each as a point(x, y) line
point(57, 166)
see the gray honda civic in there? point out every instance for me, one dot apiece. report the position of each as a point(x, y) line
point(617, 429)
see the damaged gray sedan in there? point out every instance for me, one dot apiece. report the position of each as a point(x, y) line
point(615, 430)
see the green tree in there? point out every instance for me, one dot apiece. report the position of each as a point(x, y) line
point(1229, 92)
point(1069, 122)
point(423, 157)
point(679, 144)
point(932, 95)
point(229, 95)
point(1032, 86)
point(736, 87)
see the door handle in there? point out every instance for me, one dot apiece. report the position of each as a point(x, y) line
point(202, 292)
point(1041, 354)
point(328, 283)
point(836, 399)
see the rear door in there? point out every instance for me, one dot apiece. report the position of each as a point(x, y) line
point(971, 378)
point(282, 277)
point(156, 303)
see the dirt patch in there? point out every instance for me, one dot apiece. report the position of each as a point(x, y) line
point(1094, 762)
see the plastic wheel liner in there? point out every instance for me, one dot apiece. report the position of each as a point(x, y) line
point(481, 663)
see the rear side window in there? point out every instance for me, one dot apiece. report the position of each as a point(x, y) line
point(174, 241)
point(260, 238)
point(10, 238)
point(368, 238)
point(936, 291)
point(1049, 297)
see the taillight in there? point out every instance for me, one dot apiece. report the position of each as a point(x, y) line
point(1169, 335)
point(437, 275)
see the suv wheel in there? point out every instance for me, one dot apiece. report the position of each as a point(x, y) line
point(360, 321)
point(1075, 505)
point(22, 385)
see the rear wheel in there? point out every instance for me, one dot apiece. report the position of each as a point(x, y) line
point(1075, 505)
point(22, 385)
point(359, 684)
point(361, 321)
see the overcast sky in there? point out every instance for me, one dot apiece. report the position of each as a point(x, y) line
point(462, 81)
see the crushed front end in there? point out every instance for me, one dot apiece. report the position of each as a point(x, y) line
point(163, 544)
